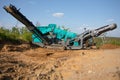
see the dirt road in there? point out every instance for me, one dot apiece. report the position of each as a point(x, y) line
point(48, 64)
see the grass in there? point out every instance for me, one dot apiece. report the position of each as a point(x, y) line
point(108, 40)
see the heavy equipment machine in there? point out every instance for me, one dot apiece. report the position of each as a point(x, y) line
point(52, 36)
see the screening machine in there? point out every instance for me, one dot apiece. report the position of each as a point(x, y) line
point(52, 36)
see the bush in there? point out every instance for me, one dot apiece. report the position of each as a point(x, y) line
point(107, 40)
point(15, 34)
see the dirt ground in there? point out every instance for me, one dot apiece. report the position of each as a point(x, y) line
point(25, 63)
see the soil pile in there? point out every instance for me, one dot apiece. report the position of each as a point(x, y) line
point(25, 63)
point(109, 46)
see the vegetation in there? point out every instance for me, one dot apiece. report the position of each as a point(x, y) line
point(15, 34)
point(107, 40)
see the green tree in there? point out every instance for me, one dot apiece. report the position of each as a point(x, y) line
point(25, 34)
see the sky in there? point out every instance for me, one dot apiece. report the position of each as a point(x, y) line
point(73, 14)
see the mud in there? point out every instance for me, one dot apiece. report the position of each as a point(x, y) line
point(24, 63)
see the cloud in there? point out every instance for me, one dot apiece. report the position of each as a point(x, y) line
point(58, 15)
point(109, 20)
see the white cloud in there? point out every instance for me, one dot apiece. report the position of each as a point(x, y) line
point(109, 20)
point(58, 15)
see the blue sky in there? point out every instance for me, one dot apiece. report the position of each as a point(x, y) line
point(73, 14)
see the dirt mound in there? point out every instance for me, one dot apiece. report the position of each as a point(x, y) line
point(20, 62)
point(109, 46)
point(10, 47)
point(26, 67)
